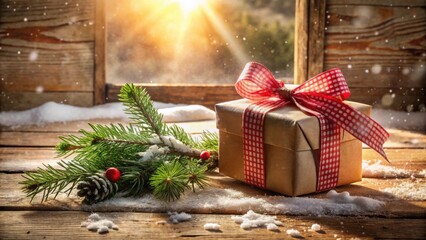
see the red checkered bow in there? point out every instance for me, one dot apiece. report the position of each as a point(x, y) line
point(322, 97)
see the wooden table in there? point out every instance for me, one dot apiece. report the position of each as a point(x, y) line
point(25, 148)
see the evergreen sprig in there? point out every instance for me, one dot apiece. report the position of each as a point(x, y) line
point(167, 175)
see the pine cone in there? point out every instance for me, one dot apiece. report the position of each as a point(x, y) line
point(96, 188)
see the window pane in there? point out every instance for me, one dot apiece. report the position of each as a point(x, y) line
point(197, 41)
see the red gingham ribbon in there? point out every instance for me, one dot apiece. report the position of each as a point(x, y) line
point(320, 96)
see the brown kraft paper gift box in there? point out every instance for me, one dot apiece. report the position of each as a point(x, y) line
point(292, 140)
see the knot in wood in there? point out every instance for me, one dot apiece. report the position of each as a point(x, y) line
point(284, 93)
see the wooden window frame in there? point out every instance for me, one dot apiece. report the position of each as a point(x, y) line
point(308, 61)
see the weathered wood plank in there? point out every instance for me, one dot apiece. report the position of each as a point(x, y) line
point(387, 47)
point(399, 157)
point(100, 53)
point(53, 40)
point(207, 95)
point(316, 37)
point(401, 98)
point(12, 198)
point(405, 139)
point(25, 100)
point(47, 135)
point(379, 46)
point(301, 41)
point(406, 3)
point(19, 159)
point(66, 225)
point(72, 126)
point(34, 139)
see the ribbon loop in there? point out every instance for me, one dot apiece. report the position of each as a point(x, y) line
point(320, 96)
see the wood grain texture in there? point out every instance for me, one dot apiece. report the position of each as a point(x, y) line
point(396, 97)
point(24, 100)
point(301, 41)
point(61, 218)
point(66, 225)
point(317, 17)
point(12, 197)
point(47, 135)
point(36, 139)
point(379, 45)
point(100, 53)
point(207, 95)
point(412, 3)
point(46, 46)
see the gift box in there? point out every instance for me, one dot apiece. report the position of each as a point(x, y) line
point(291, 147)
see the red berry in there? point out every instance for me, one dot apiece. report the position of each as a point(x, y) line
point(112, 174)
point(204, 155)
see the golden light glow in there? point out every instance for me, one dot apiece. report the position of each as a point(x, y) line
point(189, 6)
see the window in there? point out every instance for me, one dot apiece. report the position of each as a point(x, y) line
point(197, 41)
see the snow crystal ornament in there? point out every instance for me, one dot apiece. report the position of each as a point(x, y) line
point(113, 174)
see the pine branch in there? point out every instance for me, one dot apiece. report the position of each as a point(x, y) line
point(209, 141)
point(196, 172)
point(167, 174)
point(169, 181)
point(141, 109)
point(50, 180)
point(180, 134)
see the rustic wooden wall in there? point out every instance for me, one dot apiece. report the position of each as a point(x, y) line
point(48, 52)
point(380, 45)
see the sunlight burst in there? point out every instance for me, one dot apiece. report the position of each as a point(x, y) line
point(189, 6)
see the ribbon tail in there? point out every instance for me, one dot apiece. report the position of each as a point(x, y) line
point(356, 123)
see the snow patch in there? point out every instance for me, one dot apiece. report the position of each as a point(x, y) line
point(219, 200)
point(375, 169)
point(152, 151)
point(316, 227)
point(363, 202)
point(294, 233)
point(176, 217)
point(51, 112)
point(408, 191)
point(256, 220)
point(211, 227)
point(98, 224)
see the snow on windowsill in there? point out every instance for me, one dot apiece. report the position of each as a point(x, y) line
point(51, 112)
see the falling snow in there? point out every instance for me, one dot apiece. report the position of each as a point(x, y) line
point(33, 56)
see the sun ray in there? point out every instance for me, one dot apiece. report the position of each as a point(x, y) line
point(149, 20)
point(189, 6)
point(225, 33)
